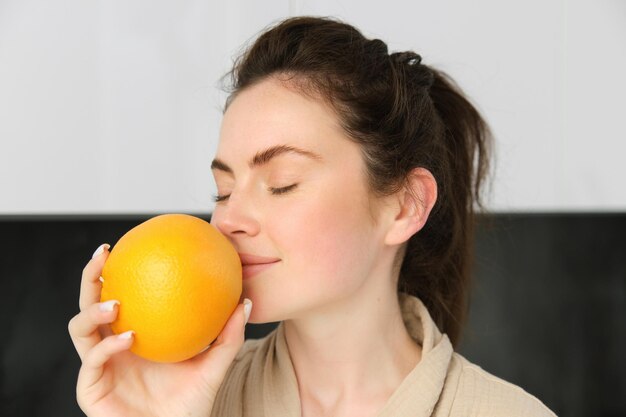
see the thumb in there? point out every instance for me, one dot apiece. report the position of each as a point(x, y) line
point(215, 361)
point(233, 332)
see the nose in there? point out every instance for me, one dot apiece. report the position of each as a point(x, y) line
point(236, 216)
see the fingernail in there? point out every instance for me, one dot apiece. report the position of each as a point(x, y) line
point(108, 305)
point(101, 280)
point(126, 335)
point(100, 250)
point(247, 308)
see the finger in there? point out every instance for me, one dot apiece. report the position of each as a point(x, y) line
point(233, 332)
point(90, 285)
point(105, 330)
point(217, 359)
point(93, 365)
point(85, 327)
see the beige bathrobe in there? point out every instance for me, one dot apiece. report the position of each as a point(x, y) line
point(261, 381)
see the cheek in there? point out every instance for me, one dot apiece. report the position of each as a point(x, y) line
point(327, 238)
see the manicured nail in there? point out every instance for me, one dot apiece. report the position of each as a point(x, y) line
point(126, 335)
point(247, 308)
point(101, 280)
point(108, 305)
point(100, 250)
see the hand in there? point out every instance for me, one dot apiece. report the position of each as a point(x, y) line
point(113, 381)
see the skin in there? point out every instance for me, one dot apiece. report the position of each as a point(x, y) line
point(335, 284)
point(112, 381)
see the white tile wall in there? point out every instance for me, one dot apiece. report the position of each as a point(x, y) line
point(113, 107)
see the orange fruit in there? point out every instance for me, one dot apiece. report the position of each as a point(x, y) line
point(178, 280)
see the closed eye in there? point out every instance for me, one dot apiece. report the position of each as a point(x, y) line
point(217, 198)
point(283, 190)
point(275, 191)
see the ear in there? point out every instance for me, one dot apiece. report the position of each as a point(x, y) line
point(413, 205)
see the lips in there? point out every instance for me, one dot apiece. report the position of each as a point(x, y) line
point(247, 259)
point(253, 264)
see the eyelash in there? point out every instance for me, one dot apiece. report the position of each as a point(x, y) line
point(275, 191)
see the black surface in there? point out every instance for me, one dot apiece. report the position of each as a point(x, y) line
point(548, 311)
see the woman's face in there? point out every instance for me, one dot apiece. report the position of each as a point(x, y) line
point(293, 189)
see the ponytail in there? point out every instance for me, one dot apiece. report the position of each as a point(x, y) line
point(438, 261)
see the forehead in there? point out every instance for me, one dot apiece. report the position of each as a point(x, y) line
point(270, 113)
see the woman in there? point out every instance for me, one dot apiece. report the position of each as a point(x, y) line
point(347, 181)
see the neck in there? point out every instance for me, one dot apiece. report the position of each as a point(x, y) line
point(356, 351)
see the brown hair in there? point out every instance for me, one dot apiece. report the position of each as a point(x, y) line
point(404, 114)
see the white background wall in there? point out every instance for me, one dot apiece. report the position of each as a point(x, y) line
point(113, 106)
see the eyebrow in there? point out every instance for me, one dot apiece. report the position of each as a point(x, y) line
point(264, 157)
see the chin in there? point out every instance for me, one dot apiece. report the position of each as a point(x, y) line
point(263, 313)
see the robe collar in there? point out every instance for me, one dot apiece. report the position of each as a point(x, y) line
point(416, 396)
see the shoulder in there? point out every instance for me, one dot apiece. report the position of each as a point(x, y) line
point(479, 393)
point(231, 396)
point(252, 354)
point(250, 350)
